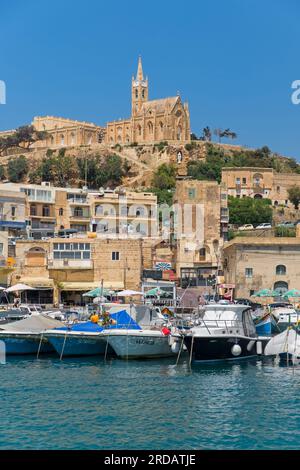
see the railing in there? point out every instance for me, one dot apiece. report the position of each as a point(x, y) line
point(70, 264)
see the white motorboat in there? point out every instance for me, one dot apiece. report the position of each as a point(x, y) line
point(223, 332)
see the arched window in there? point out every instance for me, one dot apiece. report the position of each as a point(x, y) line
point(89, 139)
point(281, 269)
point(136, 93)
point(72, 138)
point(61, 211)
point(150, 127)
point(99, 210)
point(139, 211)
point(258, 179)
point(143, 93)
point(62, 139)
point(51, 140)
point(139, 128)
point(281, 287)
point(161, 127)
point(275, 203)
point(202, 252)
point(127, 138)
point(179, 132)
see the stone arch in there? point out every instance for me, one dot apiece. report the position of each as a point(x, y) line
point(281, 287)
point(150, 127)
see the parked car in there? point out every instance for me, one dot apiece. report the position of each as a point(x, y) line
point(287, 224)
point(246, 227)
point(263, 226)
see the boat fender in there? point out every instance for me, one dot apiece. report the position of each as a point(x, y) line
point(250, 345)
point(236, 350)
point(166, 331)
point(175, 347)
point(259, 347)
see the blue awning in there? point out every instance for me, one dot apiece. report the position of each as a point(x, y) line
point(12, 224)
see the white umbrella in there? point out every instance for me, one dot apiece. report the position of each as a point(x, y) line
point(19, 288)
point(128, 293)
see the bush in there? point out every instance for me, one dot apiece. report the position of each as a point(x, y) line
point(285, 231)
point(249, 211)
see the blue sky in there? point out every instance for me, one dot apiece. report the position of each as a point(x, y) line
point(233, 60)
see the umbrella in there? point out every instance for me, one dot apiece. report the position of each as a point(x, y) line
point(19, 288)
point(155, 291)
point(128, 293)
point(98, 292)
point(292, 293)
point(266, 293)
point(99, 299)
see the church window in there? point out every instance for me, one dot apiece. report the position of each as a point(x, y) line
point(150, 127)
point(62, 140)
point(139, 128)
point(136, 93)
point(72, 138)
point(143, 93)
point(161, 126)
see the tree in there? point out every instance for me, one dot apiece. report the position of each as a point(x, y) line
point(249, 211)
point(23, 137)
point(193, 136)
point(17, 169)
point(207, 135)
point(225, 133)
point(294, 195)
point(164, 177)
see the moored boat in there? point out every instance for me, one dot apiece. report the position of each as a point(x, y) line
point(27, 336)
point(224, 332)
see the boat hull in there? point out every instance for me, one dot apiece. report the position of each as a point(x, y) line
point(25, 344)
point(135, 346)
point(207, 348)
point(77, 345)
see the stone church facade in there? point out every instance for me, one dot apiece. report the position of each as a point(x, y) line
point(159, 120)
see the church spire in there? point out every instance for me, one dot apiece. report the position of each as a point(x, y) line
point(139, 75)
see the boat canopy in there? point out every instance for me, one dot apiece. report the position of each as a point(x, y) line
point(288, 341)
point(35, 324)
point(224, 312)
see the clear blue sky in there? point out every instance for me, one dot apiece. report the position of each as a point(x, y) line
point(232, 60)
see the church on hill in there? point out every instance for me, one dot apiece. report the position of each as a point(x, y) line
point(151, 120)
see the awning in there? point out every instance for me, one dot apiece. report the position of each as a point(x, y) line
point(12, 224)
point(87, 286)
point(38, 282)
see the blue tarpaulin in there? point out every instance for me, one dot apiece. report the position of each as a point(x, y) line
point(124, 321)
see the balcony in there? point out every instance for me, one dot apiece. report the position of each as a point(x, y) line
point(78, 201)
point(70, 264)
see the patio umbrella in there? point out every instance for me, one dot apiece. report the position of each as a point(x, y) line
point(19, 288)
point(98, 292)
point(265, 293)
point(292, 293)
point(128, 293)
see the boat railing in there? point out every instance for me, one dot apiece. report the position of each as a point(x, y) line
point(230, 326)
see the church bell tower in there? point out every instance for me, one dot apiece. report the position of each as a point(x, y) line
point(139, 90)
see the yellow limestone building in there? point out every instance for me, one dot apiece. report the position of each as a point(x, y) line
point(151, 121)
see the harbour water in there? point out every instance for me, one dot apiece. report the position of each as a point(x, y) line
point(89, 404)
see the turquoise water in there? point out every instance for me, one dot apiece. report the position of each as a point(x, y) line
point(89, 404)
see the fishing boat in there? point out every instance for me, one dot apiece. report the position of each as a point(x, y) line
point(88, 338)
point(26, 336)
point(266, 325)
point(224, 332)
point(286, 346)
point(148, 336)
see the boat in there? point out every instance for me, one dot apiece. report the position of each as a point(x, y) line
point(286, 346)
point(148, 336)
point(223, 332)
point(266, 325)
point(88, 338)
point(27, 336)
point(286, 317)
